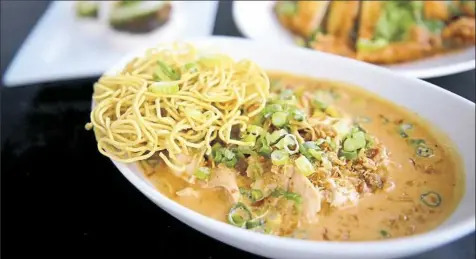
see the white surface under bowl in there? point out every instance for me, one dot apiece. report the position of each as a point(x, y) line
point(452, 114)
point(256, 20)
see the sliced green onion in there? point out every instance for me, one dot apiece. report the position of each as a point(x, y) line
point(278, 192)
point(417, 142)
point(231, 163)
point(349, 155)
point(250, 138)
point(193, 67)
point(202, 173)
point(279, 157)
point(291, 144)
point(270, 109)
point(384, 233)
point(304, 166)
point(403, 128)
point(316, 154)
point(276, 136)
point(254, 223)
point(431, 199)
point(168, 71)
point(239, 215)
point(254, 130)
point(293, 197)
point(164, 87)
point(424, 151)
point(263, 147)
point(224, 155)
point(245, 150)
point(297, 114)
point(245, 192)
point(370, 141)
point(355, 142)
point(288, 143)
point(228, 154)
point(402, 133)
point(319, 141)
point(256, 195)
point(305, 148)
point(331, 142)
point(279, 119)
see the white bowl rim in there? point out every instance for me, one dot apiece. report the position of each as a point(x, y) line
point(337, 248)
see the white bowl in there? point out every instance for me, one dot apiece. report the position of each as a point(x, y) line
point(256, 20)
point(452, 114)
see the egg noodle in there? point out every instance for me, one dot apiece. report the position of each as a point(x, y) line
point(175, 100)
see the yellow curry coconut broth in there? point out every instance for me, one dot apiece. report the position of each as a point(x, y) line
point(364, 169)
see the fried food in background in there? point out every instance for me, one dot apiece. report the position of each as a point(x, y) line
point(468, 7)
point(382, 32)
point(301, 17)
point(398, 35)
point(338, 29)
point(460, 32)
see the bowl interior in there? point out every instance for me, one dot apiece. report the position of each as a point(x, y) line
point(451, 114)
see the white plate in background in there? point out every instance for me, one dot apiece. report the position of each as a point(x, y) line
point(61, 46)
point(256, 20)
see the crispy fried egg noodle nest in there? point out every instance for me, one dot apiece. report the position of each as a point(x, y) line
point(132, 123)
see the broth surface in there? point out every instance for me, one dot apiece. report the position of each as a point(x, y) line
point(395, 211)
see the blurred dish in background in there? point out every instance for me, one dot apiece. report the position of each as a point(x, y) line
point(75, 39)
point(128, 16)
point(411, 36)
point(381, 32)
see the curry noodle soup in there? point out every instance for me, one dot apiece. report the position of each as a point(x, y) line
point(421, 189)
point(276, 153)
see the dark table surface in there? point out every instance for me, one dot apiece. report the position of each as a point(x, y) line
point(60, 197)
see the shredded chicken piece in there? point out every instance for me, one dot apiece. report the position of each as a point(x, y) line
point(187, 192)
point(188, 173)
point(311, 198)
point(225, 178)
point(341, 193)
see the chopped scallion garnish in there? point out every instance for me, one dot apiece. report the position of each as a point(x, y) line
point(239, 214)
point(279, 119)
point(202, 173)
point(279, 157)
point(304, 166)
point(164, 87)
point(431, 199)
